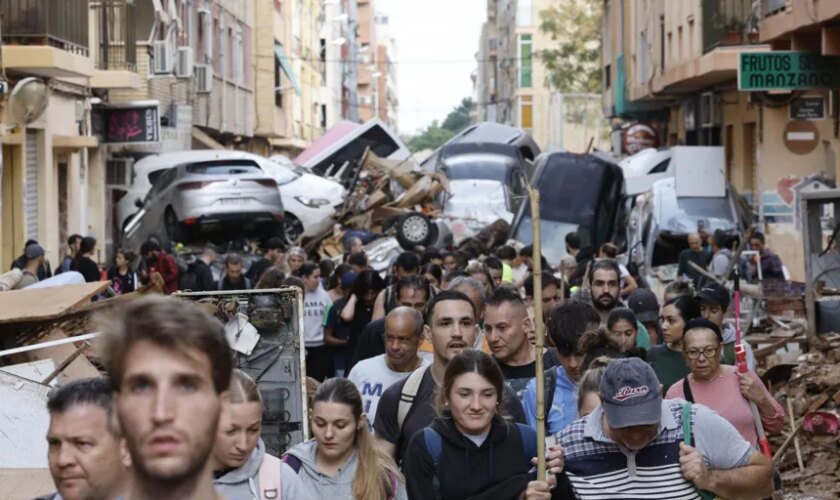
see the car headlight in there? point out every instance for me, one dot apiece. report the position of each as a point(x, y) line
point(312, 202)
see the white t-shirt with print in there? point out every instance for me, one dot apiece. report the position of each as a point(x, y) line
point(372, 376)
point(315, 306)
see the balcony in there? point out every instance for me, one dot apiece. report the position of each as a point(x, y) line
point(46, 37)
point(805, 26)
point(114, 45)
point(728, 23)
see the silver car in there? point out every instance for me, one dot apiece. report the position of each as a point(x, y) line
point(197, 197)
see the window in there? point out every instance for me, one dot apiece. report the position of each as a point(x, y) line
point(643, 57)
point(524, 12)
point(526, 112)
point(525, 61)
point(278, 83)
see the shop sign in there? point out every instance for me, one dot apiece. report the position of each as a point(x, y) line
point(807, 108)
point(639, 136)
point(128, 123)
point(779, 70)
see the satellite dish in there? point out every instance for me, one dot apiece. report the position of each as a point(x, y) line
point(28, 100)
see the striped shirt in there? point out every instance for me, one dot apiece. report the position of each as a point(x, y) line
point(600, 469)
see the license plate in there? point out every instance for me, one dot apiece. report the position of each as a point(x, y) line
point(233, 201)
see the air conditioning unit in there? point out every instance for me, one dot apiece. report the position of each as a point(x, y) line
point(184, 64)
point(162, 54)
point(204, 75)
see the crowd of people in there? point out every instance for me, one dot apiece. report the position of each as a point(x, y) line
point(425, 385)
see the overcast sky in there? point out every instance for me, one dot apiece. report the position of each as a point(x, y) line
point(436, 45)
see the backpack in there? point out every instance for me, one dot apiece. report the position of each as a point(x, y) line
point(269, 475)
point(434, 445)
point(686, 422)
point(550, 384)
point(408, 393)
point(189, 279)
point(295, 463)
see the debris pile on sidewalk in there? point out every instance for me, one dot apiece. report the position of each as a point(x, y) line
point(807, 454)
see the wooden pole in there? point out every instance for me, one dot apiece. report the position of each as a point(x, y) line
point(539, 341)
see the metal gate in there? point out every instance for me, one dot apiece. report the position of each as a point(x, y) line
point(30, 193)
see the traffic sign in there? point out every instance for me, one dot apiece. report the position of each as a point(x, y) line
point(782, 70)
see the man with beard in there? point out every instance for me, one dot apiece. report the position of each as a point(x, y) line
point(409, 405)
point(604, 279)
point(169, 366)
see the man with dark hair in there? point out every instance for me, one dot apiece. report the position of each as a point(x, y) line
point(407, 264)
point(408, 405)
point(496, 269)
point(550, 291)
point(413, 292)
point(722, 255)
point(450, 262)
point(233, 278)
point(199, 275)
point(358, 262)
point(573, 244)
point(506, 327)
point(771, 264)
point(34, 260)
point(74, 243)
point(604, 279)
point(83, 439)
point(44, 270)
point(274, 256)
point(431, 256)
point(320, 363)
point(566, 326)
point(158, 261)
point(403, 334)
point(633, 445)
point(628, 282)
point(169, 366)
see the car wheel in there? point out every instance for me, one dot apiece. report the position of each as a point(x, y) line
point(292, 228)
point(174, 230)
point(414, 229)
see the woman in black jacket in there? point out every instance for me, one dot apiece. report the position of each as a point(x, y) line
point(84, 263)
point(470, 451)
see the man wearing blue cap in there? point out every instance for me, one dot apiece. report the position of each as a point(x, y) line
point(637, 445)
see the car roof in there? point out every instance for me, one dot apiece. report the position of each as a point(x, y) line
point(167, 160)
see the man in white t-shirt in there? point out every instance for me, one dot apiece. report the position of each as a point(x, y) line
point(403, 334)
point(316, 301)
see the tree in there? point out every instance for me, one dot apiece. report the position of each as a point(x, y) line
point(458, 118)
point(574, 65)
point(432, 137)
point(436, 134)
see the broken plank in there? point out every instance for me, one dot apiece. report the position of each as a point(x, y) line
point(38, 304)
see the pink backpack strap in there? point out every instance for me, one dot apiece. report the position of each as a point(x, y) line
point(270, 478)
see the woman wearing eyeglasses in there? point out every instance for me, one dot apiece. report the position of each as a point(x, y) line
point(721, 387)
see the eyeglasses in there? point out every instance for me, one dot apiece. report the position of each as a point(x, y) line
point(707, 352)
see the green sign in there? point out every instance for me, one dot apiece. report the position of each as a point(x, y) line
point(787, 71)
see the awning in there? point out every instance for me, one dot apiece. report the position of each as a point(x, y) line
point(202, 137)
point(280, 52)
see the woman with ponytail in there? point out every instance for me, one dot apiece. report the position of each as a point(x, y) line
point(343, 461)
point(242, 470)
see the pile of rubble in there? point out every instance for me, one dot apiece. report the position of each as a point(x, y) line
point(807, 455)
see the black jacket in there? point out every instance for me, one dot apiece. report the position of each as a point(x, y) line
point(496, 470)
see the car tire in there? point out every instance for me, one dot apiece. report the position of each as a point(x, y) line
point(174, 230)
point(292, 229)
point(415, 229)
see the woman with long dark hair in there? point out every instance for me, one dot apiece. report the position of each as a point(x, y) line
point(470, 450)
point(83, 262)
point(667, 359)
point(343, 461)
point(122, 276)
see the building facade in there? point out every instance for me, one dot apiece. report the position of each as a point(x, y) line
point(674, 65)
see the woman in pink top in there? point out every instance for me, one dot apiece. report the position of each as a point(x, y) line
point(721, 387)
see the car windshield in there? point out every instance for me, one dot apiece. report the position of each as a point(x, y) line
point(477, 199)
point(224, 169)
point(552, 237)
point(684, 214)
point(477, 167)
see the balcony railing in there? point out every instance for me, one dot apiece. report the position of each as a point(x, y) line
point(728, 22)
point(772, 7)
point(116, 25)
point(58, 23)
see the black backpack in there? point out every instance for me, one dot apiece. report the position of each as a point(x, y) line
point(550, 384)
point(189, 278)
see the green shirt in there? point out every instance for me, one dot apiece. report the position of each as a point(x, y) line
point(668, 364)
point(642, 336)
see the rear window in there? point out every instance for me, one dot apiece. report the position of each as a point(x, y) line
point(223, 169)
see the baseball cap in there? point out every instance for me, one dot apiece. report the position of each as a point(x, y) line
point(714, 293)
point(630, 394)
point(644, 304)
point(34, 251)
point(348, 279)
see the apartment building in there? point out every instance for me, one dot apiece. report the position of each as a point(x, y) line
point(53, 168)
point(386, 101)
point(512, 84)
point(673, 64)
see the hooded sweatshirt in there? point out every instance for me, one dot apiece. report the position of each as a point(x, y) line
point(321, 486)
point(243, 483)
point(495, 470)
